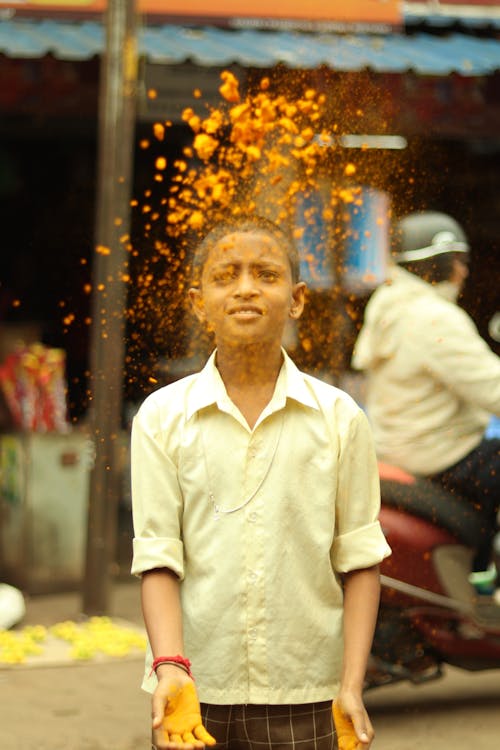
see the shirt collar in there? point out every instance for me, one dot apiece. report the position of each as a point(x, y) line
point(295, 384)
point(209, 388)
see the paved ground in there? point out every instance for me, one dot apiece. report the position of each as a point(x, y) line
point(99, 706)
point(461, 711)
point(76, 705)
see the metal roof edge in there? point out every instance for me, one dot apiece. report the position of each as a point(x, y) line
point(427, 54)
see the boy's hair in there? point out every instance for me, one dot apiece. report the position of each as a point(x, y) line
point(247, 223)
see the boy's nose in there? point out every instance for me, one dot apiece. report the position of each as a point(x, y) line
point(246, 285)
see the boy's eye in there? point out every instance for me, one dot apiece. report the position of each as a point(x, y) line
point(225, 275)
point(268, 275)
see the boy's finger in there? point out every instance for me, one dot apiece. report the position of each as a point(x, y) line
point(158, 710)
point(191, 740)
point(346, 734)
point(361, 733)
point(201, 734)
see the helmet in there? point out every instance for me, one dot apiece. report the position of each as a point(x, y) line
point(425, 234)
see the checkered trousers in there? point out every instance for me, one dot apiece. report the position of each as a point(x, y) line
point(307, 726)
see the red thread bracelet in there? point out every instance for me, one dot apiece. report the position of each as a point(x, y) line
point(178, 661)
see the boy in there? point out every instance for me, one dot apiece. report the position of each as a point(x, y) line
point(255, 500)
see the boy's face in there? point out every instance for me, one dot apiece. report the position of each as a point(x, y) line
point(246, 293)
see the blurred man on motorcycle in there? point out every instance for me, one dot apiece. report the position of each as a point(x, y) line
point(432, 381)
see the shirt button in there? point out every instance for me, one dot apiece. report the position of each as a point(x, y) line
point(252, 634)
point(252, 517)
point(252, 577)
point(254, 447)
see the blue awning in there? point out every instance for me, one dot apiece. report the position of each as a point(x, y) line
point(425, 54)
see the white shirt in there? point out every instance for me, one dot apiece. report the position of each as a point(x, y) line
point(298, 499)
point(432, 381)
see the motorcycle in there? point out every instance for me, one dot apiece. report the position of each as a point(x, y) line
point(430, 615)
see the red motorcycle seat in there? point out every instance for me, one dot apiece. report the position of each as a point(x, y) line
point(394, 474)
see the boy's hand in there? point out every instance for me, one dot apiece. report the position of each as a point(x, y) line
point(353, 733)
point(177, 718)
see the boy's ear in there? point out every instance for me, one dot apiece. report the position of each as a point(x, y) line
point(197, 306)
point(298, 300)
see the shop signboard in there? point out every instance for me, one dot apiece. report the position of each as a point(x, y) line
point(289, 11)
point(378, 14)
point(359, 233)
point(366, 240)
point(314, 239)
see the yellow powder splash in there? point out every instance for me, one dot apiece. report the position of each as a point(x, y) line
point(260, 150)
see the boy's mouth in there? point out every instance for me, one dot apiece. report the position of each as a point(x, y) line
point(246, 310)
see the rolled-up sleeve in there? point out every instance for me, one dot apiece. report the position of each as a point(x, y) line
point(360, 549)
point(157, 497)
point(359, 541)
